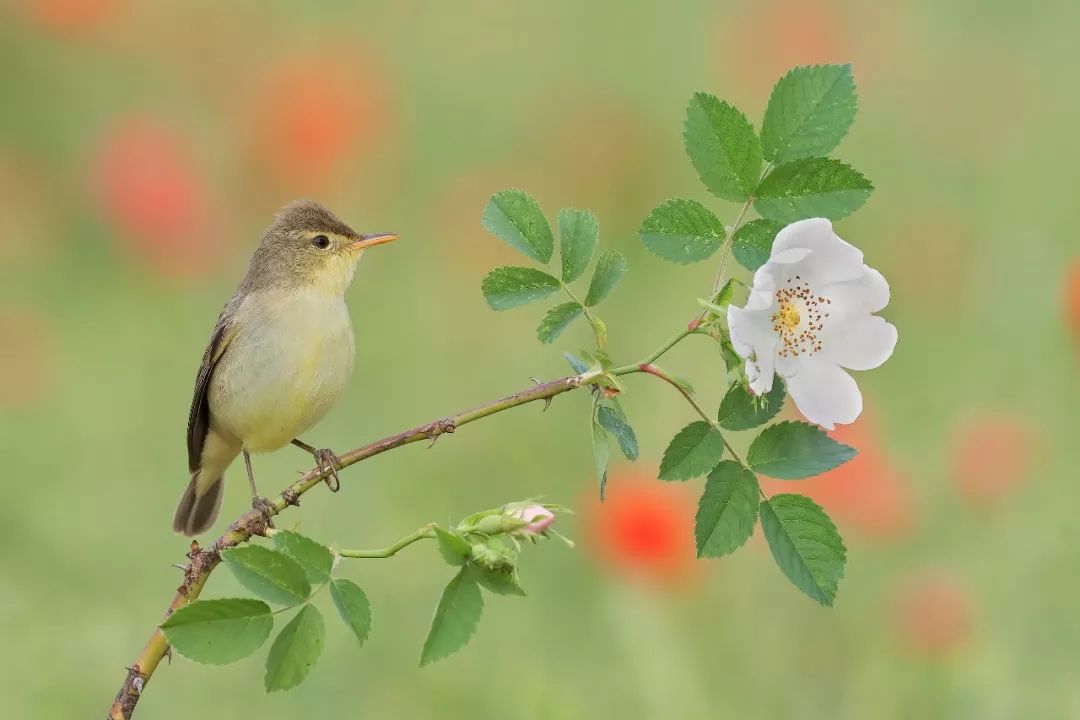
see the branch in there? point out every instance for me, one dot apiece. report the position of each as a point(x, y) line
point(255, 522)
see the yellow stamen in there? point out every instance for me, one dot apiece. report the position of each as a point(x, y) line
point(789, 316)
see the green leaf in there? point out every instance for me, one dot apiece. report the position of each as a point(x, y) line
point(556, 320)
point(752, 243)
point(314, 557)
point(271, 575)
point(615, 422)
point(456, 617)
point(722, 146)
point(514, 216)
point(742, 410)
point(579, 232)
point(732, 361)
point(812, 187)
point(353, 606)
point(610, 267)
point(682, 231)
point(693, 452)
point(576, 363)
point(809, 112)
point(502, 580)
point(805, 544)
point(509, 287)
point(218, 631)
point(793, 450)
point(295, 650)
point(727, 510)
point(601, 454)
point(454, 548)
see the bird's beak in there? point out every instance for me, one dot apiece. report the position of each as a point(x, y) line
point(372, 239)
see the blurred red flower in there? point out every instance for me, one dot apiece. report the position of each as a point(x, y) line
point(1072, 300)
point(26, 361)
point(868, 494)
point(932, 614)
point(147, 185)
point(990, 456)
point(71, 17)
point(644, 529)
point(313, 116)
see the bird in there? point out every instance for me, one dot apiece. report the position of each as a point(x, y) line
point(279, 356)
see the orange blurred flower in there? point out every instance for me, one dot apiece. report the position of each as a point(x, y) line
point(990, 456)
point(148, 188)
point(70, 17)
point(313, 116)
point(932, 615)
point(1072, 300)
point(25, 363)
point(644, 529)
point(868, 494)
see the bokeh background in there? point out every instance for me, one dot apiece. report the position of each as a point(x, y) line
point(144, 146)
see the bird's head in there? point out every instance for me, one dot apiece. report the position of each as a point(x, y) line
point(307, 246)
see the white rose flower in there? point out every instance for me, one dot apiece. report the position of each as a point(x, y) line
point(809, 316)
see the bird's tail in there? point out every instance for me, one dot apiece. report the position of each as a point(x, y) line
point(199, 507)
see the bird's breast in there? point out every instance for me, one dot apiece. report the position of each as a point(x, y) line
point(288, 363)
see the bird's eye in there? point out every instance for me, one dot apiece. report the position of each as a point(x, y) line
point(320, 241)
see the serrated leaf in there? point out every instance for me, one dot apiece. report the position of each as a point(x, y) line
point(314, 557)
point(682, 231)
point(610, 267)
point(752, 243)
point(271, 575)
point(216, 632)
point(616, 424)
point(454, 548)
point(514, 216)
point(510, 286)
point(556, 320)
point(456, 617)
point(577, 364)
point(805, 544)
point(809, 112)
point(727, 510)
point(295, 650)
point(742, 410)
point(792, 450)
point(693, 452)
point(501, 581)
point(353, 606)
point(579, 232)
point(601, 455)
point(812, 187)
point(722, 146)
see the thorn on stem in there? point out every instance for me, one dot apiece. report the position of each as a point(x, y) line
point(291, 497)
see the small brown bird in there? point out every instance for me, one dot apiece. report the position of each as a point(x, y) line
point(279, 357)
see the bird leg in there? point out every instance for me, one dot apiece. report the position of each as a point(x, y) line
point(326, 460)
point(258, 502)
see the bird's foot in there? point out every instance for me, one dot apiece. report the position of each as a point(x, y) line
point(265, 507)
point(327, 461)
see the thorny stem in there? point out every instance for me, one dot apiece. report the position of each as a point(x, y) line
point(428, 531)
point(255, 522)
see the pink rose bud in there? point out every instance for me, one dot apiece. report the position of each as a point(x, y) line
point(537, 519)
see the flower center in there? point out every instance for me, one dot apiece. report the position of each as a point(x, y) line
point(789, 315)
point(797, 303)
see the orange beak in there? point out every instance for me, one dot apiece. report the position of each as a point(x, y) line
point(371, 240)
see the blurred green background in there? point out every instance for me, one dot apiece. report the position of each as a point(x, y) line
point(143, 148)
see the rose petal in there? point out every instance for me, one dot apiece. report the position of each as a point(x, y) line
point(859, 344)
point(824, 393)
point(867, 293)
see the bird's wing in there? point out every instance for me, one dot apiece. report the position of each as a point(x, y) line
point(199, 416)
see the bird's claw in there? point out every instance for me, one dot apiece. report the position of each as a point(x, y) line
point(327, 461)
